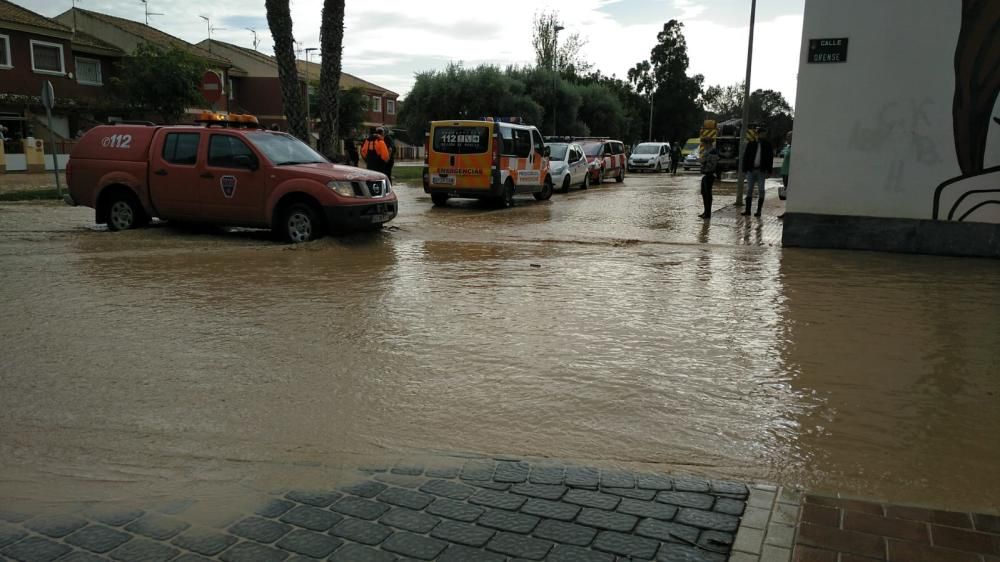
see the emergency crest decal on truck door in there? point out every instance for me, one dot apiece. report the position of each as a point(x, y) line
point(228, 184)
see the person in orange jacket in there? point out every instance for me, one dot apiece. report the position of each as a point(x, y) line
point(375, 152)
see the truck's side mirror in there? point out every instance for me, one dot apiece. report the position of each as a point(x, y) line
point(548, 151)
point(244, 161)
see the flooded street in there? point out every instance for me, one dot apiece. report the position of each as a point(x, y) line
point(609, 325)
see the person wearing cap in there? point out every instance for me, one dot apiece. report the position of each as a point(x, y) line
point(375, 152)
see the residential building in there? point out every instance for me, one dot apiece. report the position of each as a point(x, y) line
point(127, 35)
point(258, 91)
point(35, 49)
point(382, 103)
point(897, 135)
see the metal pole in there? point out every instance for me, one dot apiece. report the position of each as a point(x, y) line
point(650, 116)
point(52, 143)
point(308, 111)
point(745, 125)
point(555, 75)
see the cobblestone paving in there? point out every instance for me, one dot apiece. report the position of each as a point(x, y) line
point(485, 510)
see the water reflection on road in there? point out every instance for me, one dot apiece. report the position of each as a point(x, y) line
point(609, 325)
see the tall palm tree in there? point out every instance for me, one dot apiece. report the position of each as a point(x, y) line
point(279, 19)
point(331, 39)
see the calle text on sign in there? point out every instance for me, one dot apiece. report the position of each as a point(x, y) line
point(822, 51)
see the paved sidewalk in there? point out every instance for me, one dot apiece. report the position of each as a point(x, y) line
point(17, 181)
point(833, 529)
point(483, 510)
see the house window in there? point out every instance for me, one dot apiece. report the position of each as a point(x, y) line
point(47, 58)
point(5, 52)
point(88, 71)
point(376, 104)
point(390, 107)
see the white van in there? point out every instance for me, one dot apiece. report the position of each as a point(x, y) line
point(650, 156)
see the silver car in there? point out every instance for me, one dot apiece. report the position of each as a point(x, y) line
point(653, 156)
point(568, 165)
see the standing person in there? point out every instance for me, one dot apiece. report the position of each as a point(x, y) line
point(709, 166)
point(390, 143)
point(758, 163)
point(375, 152)
point(675, 157)
point(786, 164)
point(351, 150)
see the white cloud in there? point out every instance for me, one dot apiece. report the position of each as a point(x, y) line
point(388, 42)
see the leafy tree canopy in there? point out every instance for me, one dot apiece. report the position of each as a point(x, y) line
point(564, 56)
point(663, 78)
point(161, 81)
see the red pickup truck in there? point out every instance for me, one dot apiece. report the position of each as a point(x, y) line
point(221, 175)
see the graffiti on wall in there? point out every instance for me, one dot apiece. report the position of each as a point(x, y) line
point(975, 194)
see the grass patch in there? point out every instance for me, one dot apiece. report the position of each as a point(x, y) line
point(407, 174)
point(31, 195)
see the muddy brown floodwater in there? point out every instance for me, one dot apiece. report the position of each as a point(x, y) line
point(609, 325)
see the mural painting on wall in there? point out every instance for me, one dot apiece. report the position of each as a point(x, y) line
point(975, 194)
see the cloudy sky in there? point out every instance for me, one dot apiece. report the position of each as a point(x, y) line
point(388, 41)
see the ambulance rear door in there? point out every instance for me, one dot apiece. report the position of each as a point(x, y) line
point(460, 155)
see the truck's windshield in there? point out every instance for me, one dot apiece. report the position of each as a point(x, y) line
point(283, 149)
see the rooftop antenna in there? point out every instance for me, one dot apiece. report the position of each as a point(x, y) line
point(74, 14)
point(255, 40)
point(145, 5)
point(208, 23)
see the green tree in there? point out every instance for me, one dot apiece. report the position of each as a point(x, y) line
point(460, 93)
point(725, 102)
point(279, 19)
point(768, 108)
point(568, 59)
point(635, 107)
point(331, 41)
point(161, 81)
point(674, 91)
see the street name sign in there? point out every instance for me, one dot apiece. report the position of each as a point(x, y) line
point(825, 51)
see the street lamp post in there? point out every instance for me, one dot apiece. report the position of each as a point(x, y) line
point(651, 115)
point(555, 74)
point(309, 51)
point(745, 123)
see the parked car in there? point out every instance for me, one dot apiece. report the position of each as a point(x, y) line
point(222, 173)
point(692, 161)
point(568, 165)
point(485, 160)
point(650, 156)
point(606, 159)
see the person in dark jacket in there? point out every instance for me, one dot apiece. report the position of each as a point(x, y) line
point(758, 164)
point(390, 143)
point(351, 150)
point(675, 156)
point(709, 167)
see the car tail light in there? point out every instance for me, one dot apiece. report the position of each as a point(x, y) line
point(427, 144)
point(496, 150)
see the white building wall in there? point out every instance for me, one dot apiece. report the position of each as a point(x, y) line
point(874, 136)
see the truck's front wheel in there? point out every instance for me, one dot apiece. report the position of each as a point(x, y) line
point(125, 213)
point(300, 222)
